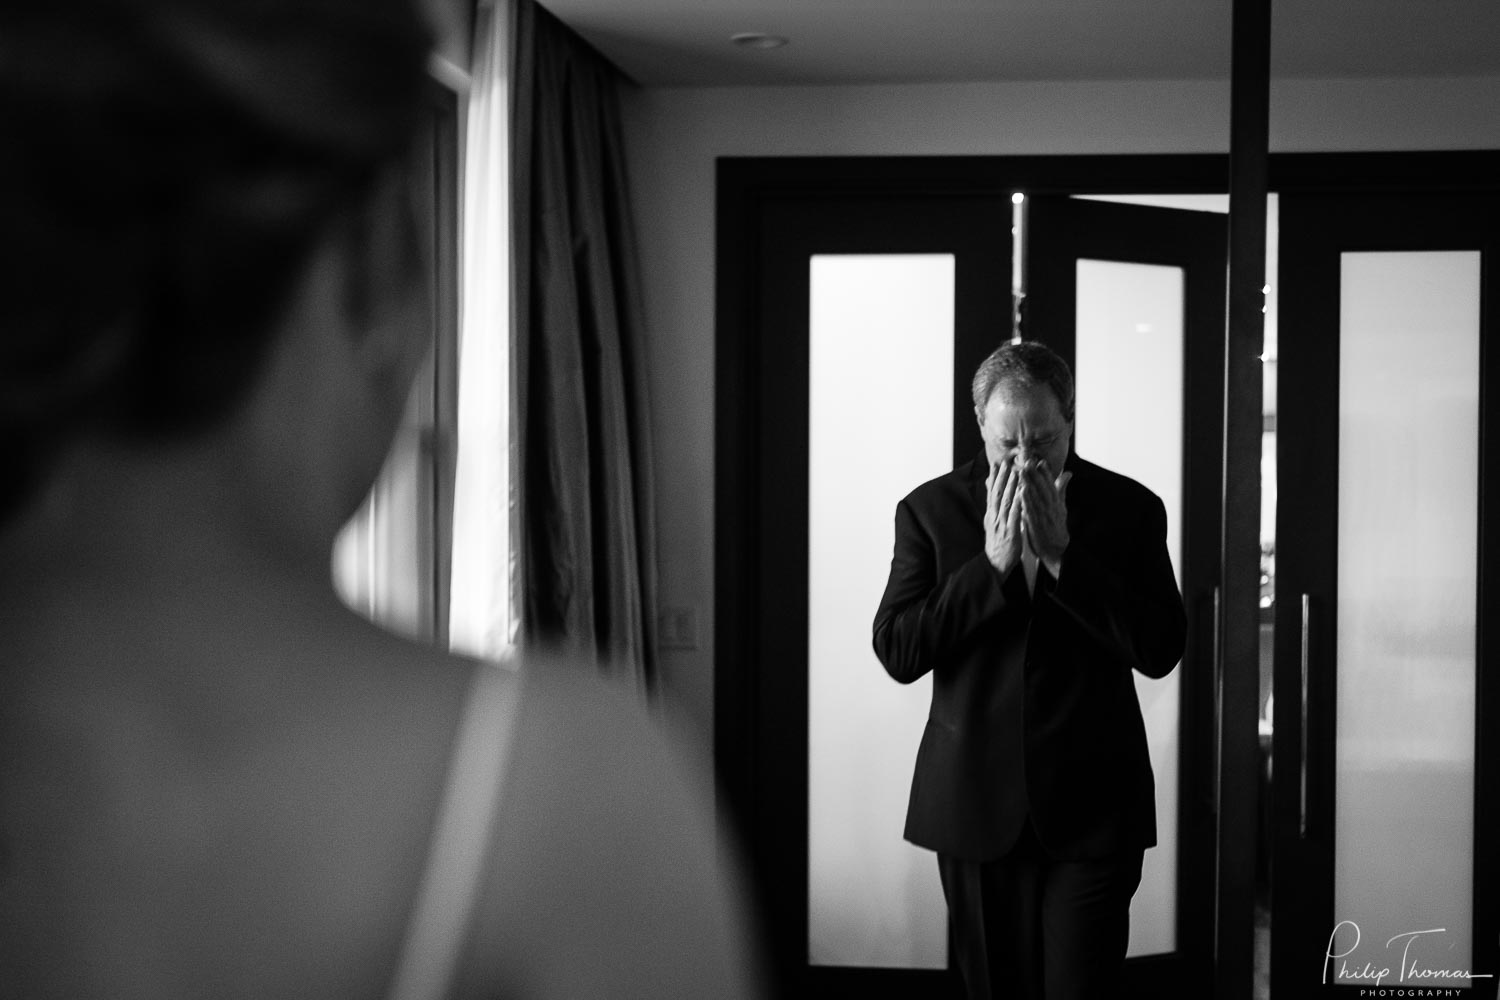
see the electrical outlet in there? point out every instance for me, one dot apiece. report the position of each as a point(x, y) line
point(677, 628)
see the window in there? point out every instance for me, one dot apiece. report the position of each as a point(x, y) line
point(428, 554)
point(391, 560)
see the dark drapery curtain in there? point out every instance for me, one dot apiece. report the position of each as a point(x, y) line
point(584, 581)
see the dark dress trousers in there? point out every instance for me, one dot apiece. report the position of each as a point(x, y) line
point(1034, 752)
point(1033, 700)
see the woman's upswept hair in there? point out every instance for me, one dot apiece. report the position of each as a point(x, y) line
point(166, 168)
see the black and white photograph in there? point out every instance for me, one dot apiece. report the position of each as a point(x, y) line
point(750, 499)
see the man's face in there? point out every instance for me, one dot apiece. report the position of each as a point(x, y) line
point(1026, 425)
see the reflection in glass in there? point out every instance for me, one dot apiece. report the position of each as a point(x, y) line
point(880, 422)
point(1407, 536)
point(1128, 381)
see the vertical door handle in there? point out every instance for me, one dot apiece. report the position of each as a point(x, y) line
point(1306, 658)
point(1218, 675)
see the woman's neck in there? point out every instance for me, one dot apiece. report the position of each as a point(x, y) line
point(144, 550)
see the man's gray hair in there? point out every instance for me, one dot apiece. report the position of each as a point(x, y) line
point(1022, 365)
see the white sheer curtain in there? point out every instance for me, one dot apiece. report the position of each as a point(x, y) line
point(480, 622)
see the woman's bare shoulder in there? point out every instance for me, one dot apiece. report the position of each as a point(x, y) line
point(607, 877)
point(174, 813)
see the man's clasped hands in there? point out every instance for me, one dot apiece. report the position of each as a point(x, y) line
point(1025, 506)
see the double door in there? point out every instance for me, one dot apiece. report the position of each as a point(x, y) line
point(863, 318)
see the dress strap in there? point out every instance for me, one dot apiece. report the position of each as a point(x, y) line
point(455, 863)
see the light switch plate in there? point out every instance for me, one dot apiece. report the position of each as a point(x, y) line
point(677, 628)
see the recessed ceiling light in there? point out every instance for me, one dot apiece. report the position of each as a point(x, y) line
point(758, 40)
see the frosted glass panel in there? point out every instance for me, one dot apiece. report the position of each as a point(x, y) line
point(1408, 516)
point(880, 423)
point(1128, 381)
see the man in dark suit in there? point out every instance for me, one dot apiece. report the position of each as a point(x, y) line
point(1032, 584)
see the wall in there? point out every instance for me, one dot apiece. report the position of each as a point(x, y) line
point(673, 137)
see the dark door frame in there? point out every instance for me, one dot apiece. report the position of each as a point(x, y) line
point(440, 445)
point(1318, 230)
point(747, 188)
point(1061, 231)
point(976, 232)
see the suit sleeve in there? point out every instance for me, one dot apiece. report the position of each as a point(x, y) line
point(921, 618)
point(1135, 612)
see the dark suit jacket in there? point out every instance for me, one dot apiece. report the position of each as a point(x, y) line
point(1033, 700)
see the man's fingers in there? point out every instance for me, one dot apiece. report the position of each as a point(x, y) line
point(1038, 488)
point(1048, 491)
point(1008, 493)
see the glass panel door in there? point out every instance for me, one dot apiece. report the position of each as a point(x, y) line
point(1128, 381)
point(1384, 834)
point(867, 319)
point(1133, 296)
point(1408, 480)
point(880, 421)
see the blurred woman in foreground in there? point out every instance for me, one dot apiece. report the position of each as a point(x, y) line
point(215, 780)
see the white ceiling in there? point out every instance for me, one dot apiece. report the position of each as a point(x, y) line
point(686, 42)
